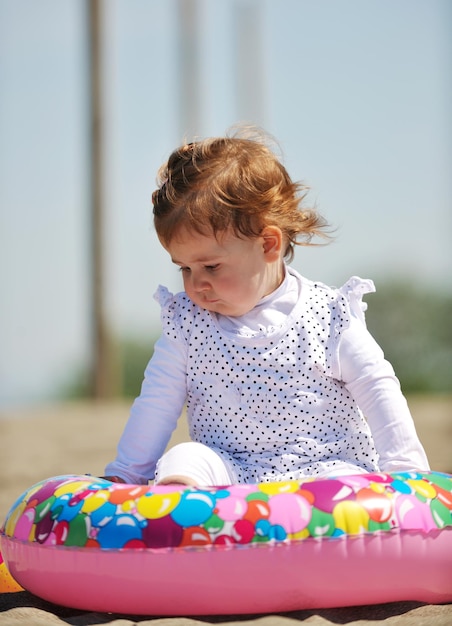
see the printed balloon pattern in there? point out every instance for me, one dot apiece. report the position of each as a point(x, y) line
point(87, 512)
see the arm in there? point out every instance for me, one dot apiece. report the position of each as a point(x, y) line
point(372, 382)
point(153, 415)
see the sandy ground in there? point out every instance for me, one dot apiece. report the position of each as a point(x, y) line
point(81, 438)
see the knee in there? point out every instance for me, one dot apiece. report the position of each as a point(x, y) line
point(191, 463)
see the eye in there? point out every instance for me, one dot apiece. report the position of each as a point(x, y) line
point(184, 270)
point(211, 268)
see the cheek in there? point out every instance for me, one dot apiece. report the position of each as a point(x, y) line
point(227, 284)
point(237, 289)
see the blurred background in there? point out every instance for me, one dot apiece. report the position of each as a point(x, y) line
point(95, 95)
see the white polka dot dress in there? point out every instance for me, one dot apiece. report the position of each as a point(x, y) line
point(268, 401)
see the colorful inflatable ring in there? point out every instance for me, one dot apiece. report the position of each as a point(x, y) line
point(7, 582)
point(363, 539)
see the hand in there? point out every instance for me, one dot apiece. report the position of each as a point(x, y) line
point(113, 479)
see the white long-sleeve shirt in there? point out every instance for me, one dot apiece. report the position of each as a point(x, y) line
point(283, 390)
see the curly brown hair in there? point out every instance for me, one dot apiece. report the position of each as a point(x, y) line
point(232, 182)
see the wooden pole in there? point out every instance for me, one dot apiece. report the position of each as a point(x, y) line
point(189, 80)
point(104, 364)
point(250, 74)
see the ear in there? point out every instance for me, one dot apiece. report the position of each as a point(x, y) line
point(272, 243)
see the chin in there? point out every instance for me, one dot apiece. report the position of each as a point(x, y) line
point(217, 307)
point(231, 312)
point(223, 308)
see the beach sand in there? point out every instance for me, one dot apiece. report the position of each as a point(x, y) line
point(81, 438)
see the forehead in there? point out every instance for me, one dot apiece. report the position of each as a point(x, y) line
point(197, 247)
point(193, 247)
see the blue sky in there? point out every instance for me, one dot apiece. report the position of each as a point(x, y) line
point(357, 92)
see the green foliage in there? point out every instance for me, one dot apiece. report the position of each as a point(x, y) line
point(414, 328)
point(134, 356)
point(77, 387)
point(131, 357)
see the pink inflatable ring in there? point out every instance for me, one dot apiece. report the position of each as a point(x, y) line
point(90, 544)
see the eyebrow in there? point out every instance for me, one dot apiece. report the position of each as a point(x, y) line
point(208, 260)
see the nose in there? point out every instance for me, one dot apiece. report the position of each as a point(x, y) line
point(199, 282)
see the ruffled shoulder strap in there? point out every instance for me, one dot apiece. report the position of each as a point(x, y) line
point(354, 290)
point(177, 313)
point(163, 296)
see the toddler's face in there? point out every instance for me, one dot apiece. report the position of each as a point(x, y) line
point(225, 274)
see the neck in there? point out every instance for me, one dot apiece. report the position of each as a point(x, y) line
point(275, 275)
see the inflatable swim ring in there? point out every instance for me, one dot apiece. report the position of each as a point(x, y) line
point(90, 544)
point(7, 582)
